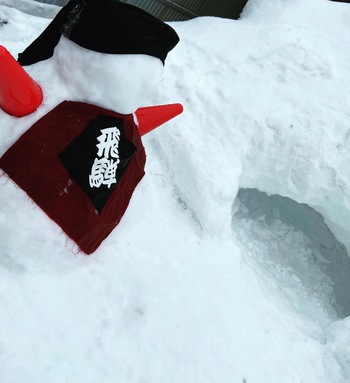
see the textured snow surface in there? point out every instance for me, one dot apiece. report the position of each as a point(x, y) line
point(82, 70)
point(206, 279)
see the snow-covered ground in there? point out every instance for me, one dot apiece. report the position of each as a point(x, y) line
point(206, 279)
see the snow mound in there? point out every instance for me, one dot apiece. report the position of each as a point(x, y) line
point(83, 71)
point(269, 104)
point(192, 286)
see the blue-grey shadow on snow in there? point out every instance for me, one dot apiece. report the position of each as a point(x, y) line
point(296, 247)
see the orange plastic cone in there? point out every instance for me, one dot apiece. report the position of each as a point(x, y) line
point(151, 117)
point(19, 94)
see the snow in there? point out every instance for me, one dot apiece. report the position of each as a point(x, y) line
point(206, 278)
point(124, 93)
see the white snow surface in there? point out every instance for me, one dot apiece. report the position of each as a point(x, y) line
point(205, 279)
point(131, 79)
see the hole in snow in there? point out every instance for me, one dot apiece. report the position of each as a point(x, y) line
point(293, 246)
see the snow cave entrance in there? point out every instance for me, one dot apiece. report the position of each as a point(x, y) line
point(294, 248)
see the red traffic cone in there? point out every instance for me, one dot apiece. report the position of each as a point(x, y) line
point(151, 117)
point(19, 94)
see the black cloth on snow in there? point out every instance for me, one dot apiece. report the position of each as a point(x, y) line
point(43, 46)
point(107, 26)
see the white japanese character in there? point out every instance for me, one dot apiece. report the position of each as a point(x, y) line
point(109, 174)
point(103, 172)
point(109, 142)
point(97, 172)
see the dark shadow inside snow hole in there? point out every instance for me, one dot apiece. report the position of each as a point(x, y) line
point(293, 244)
